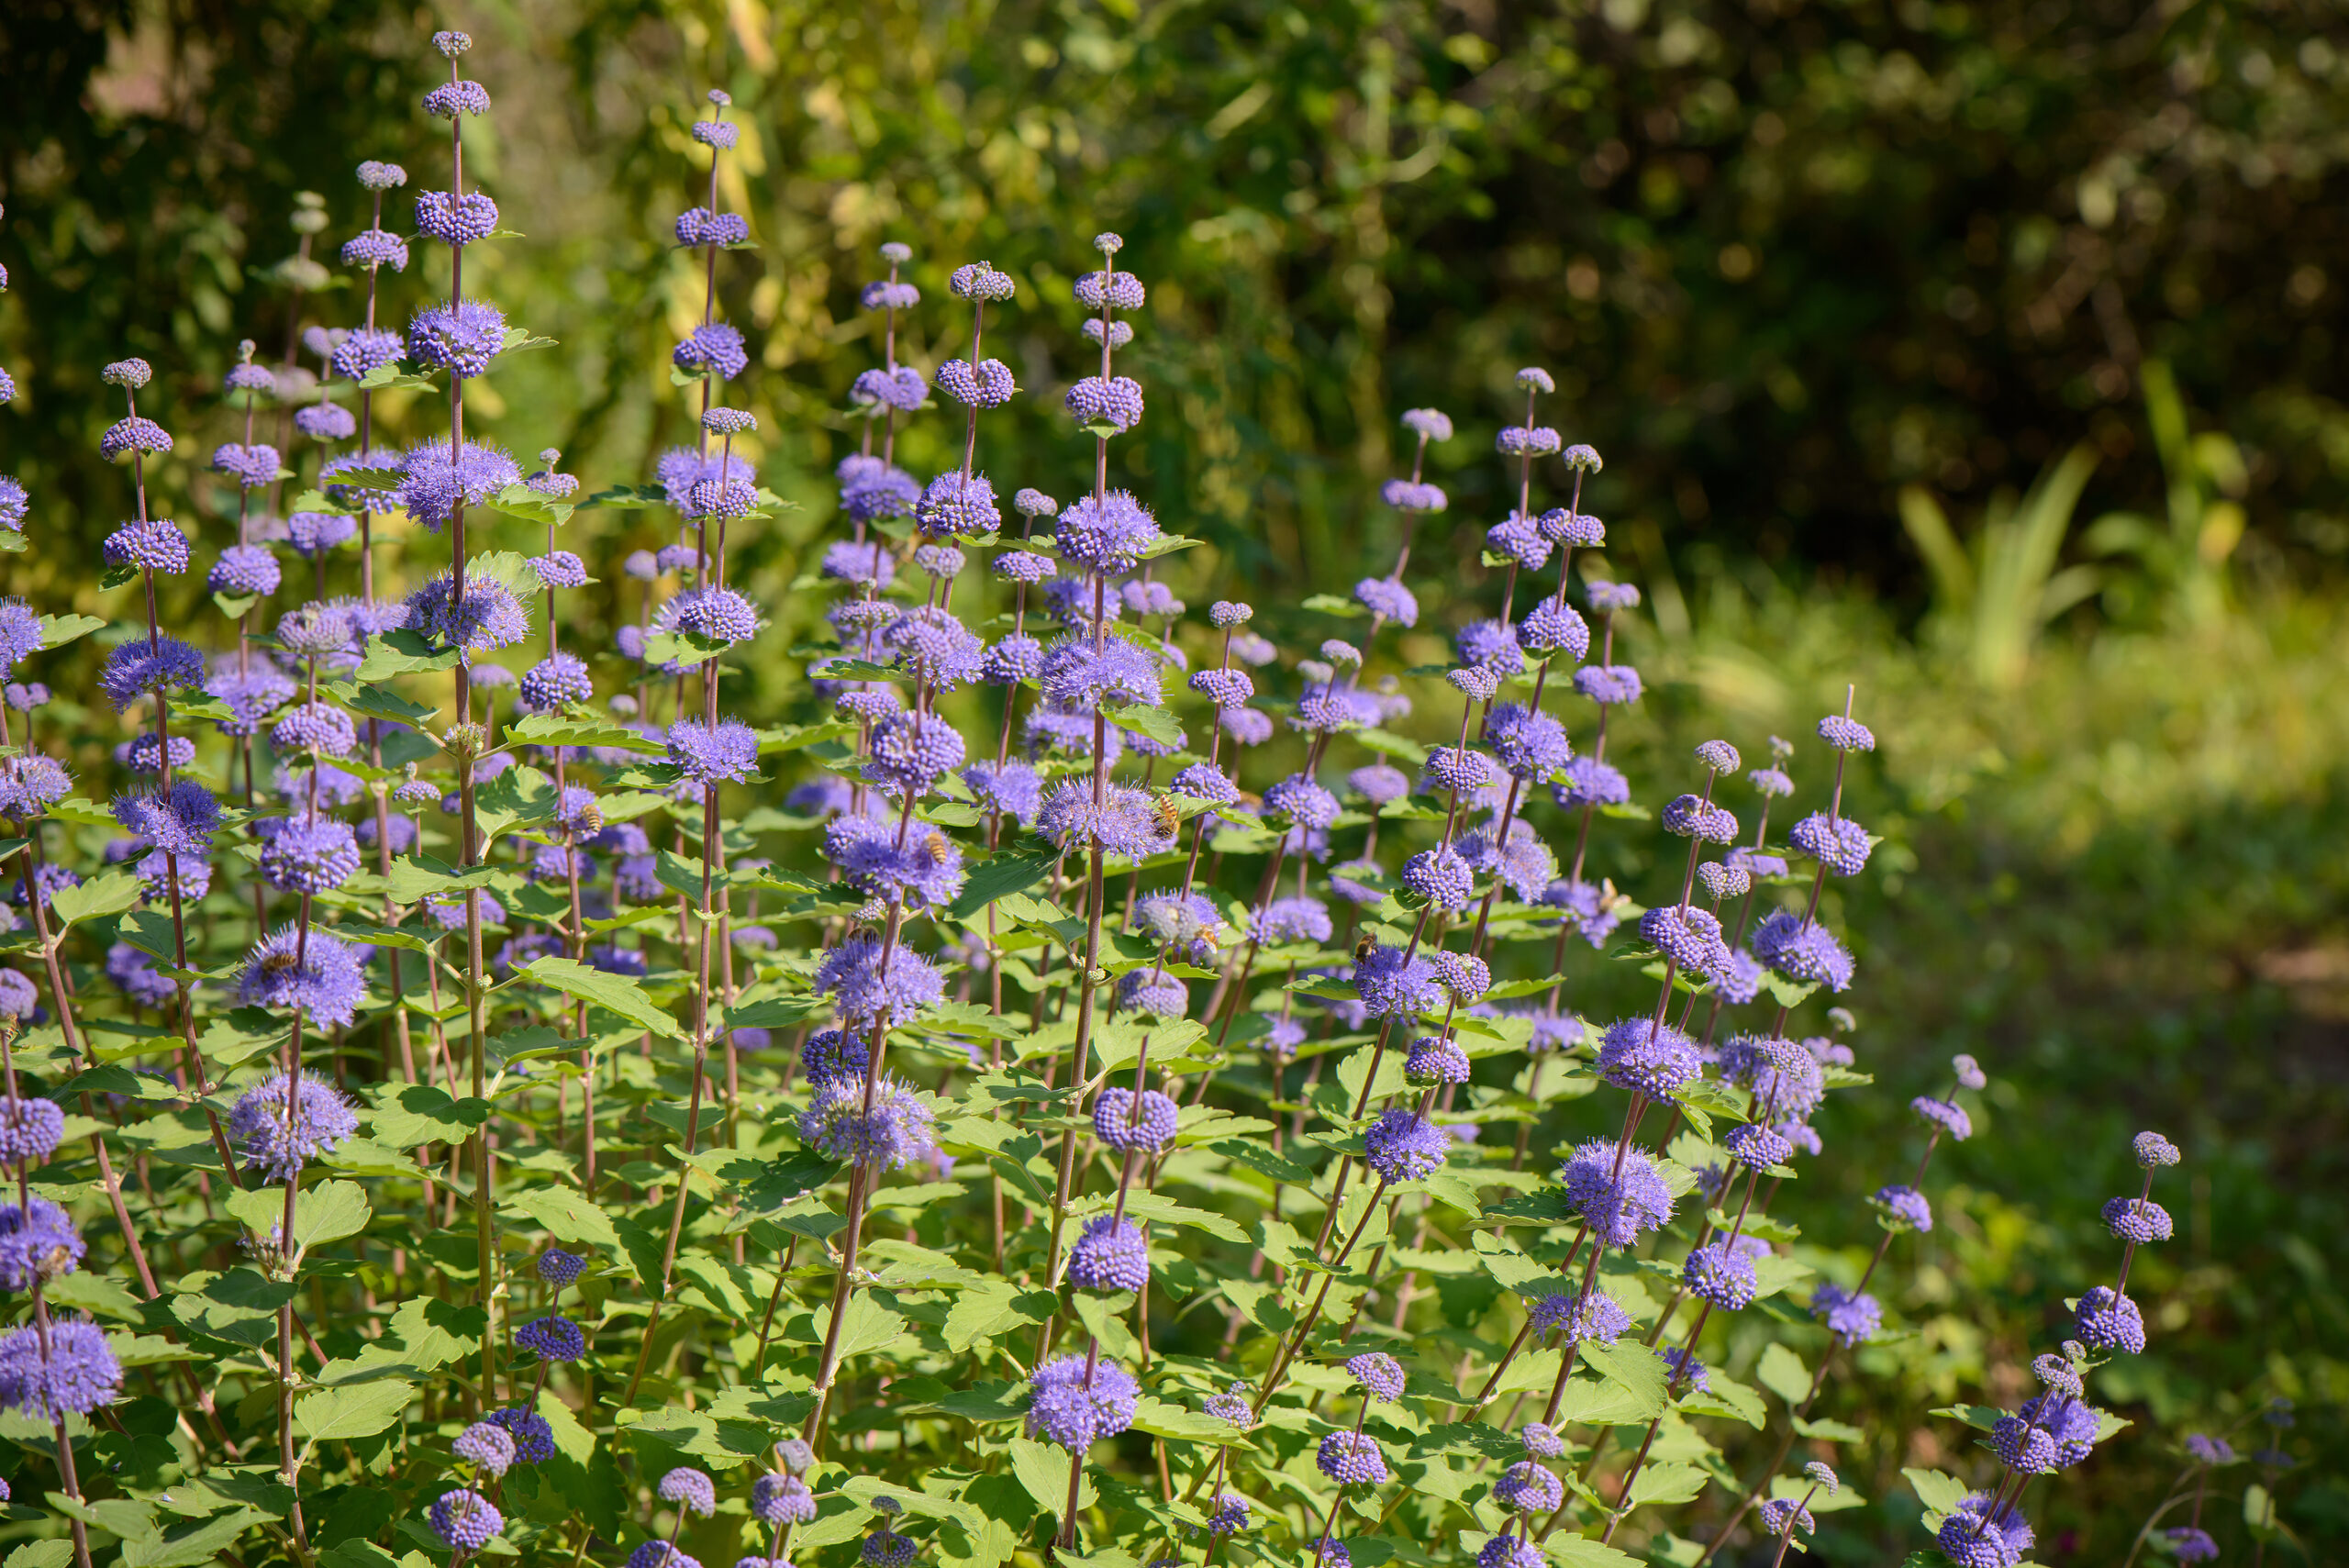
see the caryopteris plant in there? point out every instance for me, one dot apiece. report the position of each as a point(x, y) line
point(1096, 1087)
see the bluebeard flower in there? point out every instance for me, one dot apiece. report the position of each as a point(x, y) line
point(1838, 843)
point(490, 1447)
point(2190, 1543)
point(1587, 782)
point(461, 338)
point(1785, 1078)
point(533, 1438)
point(135, 434)
point(1077, 676)
point(76, 1373)
point(2107, 1321)
point(252, 466)
point(698, 225)
point(1118, 291)
point(1517, 440)
point(245, 568)
point(1518, 537)
point(861, 987)
point(952, 505)
point(782, 1500)
point(1063, 1409)
point(1224, 688)
point(690, 1489)
point(326, 981)
point(1618, 1204)
point(1754, 863)
point(2137, 1219)
point(1691, 816)
point(1114, 401)
point(326, 422)
point(559, 1268)
point(1387, 598)
point(1015, 788)
point(1110, 1255)
point(552, 1339)
point(1757, 1147)
point(927, 871)
point(832, 1054)
point(897, 1131)
point(1783, 1515)
point(1389, 982)
point(1441, 877)
point(708, 755)
point(1648, 1057)
point(714, 348)
point(557, 678)
point(1975, 1536)
point(1526, 1488)
point(1490, 645)
point(2152, 1148)
point(1802, 950)
point(1720, 1276)
point(1905, 1209)
point(902, 388)
point(1723, 880)
point(1853, 1318)
point(1686, 935)
point(321, 1118)
point(1110, 537)
point(465, 1520)
point(135, 974)
point(1455, 768)
point(1128, 824)
point(1845, 735)
point(155, 545)
point(1351, 1458)
point(885, 1548)
point(1511, 1551)
point(1435, 1059)
point(15, 503)
point(912, 753)
point(1120, 1125)
point(38, 1240)
point(181, 819)
point(2051, 1432)
point(1402, 1145)
point(1541, 1441)
point(433, 486)
point(312, 856)
point(1291, 921)
point(2206, 1449)
point(134, 669)
point(1609, 685)
point(145, 754)
point(1947, 1115)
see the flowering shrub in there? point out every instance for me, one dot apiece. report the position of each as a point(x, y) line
point(992, 1120)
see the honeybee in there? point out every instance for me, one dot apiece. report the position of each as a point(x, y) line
point(933, 845)
point(1363, 947)
point(279, 962)
point(1167, 814)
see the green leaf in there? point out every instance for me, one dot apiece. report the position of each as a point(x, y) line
point(183, 1546)
point(402, 652)
point(1155, 722)
point(1666, 1484)
point(408, 1114)
point(688, 649)
point(55, 631)
point(236, 606)
point(353, 1410)
point(1331, 604)
point(1941, 1493)
point(11, 543)
point(379, 702)
point(109, 894)
point(580, 729)
point(609, 991)
point(629, 497)
point(1044, 1471)
point(1581, 1552)
point(1782, 1373)
point(386, 377)
point(1633, 1367)
point(565, 1215)
point(329, 1212)
point(1828, 1431)
point(1000, 874)
point(521, 501)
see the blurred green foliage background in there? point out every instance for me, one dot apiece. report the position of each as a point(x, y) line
point(1984, 354)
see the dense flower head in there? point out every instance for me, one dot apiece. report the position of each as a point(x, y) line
point(557, 678)
point(1984, 1533)
point(1120, 1124)
point(1946, 1115)
point(1689, 936)
point(245, 568)
point(2210, 1450)
point(897, 1131)
point(74, 1373)
point(2140, 1220)
point(691, 1488)
point(1204, 781)
point(1757, 1147)
point(698, 225)
point(453, 219)
point(1586, 782)
point(1115, 291)
point(134, 434)
point(1110, 535)
point(1853, 1317)
point(1649, 1057)
point(956, 504)
point(1845, 735)
point(1783, 1515)
point(902, 388)
point(1518, 440)
point(279, 1144)
point(31, 1128)
point(533, 1438)
point(38, 1240)
point(313, 855)
point(715, 348)
point(1526, 1488)
point(1106, 402)
point(1720, 1275)
point(1518, 537)
point(1390, 980)
point(1079, 675)
point(1511, 1551)
point(1618, 1203)
point(490, 1447)
point(154, 545)
point(1692, 817)
point(465, 1520)
point(862, 986)
point(1490, 646)
point(1064, 1409)
point(434, 483)
point(1723, 880)
point(15, 503)
point(1436, 1058)
point(1609, 685)
point(1441, 876)
point(1379, 1372)
point(2109, 1321)
point(2190, 1543)
point(462, 338)
point(1838, 843)
point(1351, 1458)
point(1802, 950)
point(1128, 824)
point(1403, 1146)
point(1110, 1255)
point(782, 1500)
point(135, 668)
point(726, 751)
point(552, 1339)
point(323, 977)
point(183, 818)
point(2152, 1149)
